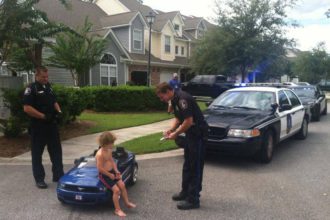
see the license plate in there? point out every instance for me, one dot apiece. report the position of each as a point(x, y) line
point(78, 197)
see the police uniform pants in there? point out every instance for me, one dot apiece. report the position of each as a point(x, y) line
point(42, 135)
point(192, 172)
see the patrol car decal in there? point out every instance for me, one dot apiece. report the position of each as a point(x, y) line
point(288, 123)
point(183, 104)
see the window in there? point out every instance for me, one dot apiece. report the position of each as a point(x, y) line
point(176, 49)
point(167, 44)
point(108, 70)
point(293, 98)
point(137, 39)
point(282, 98)
point(182, 50)
point(176, 27)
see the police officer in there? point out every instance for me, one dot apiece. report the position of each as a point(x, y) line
point(189, 120)
point(40, 104)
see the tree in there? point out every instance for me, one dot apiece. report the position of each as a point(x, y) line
point(22, 32)
point(249, 32)
point(77, 52)
point(312, 66)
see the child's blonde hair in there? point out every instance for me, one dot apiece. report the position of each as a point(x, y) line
point(106, 138)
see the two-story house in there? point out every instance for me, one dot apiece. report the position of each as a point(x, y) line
point(123, 23)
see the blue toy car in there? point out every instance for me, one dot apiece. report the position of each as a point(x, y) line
point(81, 184)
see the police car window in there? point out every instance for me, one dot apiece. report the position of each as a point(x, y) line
point(293, 98)
point(208, 79)
point(283, 99)
point(304, 92)
point(220, 79)
point(259, 100)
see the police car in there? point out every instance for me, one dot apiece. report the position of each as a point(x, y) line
point(81, 185)
point(252, 120)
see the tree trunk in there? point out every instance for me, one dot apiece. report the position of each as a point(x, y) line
point(75, 78)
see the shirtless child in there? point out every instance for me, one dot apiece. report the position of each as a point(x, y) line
point(109, 174)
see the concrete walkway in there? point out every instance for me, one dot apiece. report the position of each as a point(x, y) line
point(85, 145)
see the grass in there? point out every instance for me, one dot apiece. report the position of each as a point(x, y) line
point(112, 121)
point(149, 144)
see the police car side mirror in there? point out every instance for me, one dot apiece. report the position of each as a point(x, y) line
point(274, 107)
point(285, 107)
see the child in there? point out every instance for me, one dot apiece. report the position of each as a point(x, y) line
point(109, 174)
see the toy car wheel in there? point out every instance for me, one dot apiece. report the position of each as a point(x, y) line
point(61, 200)
point(134, 175)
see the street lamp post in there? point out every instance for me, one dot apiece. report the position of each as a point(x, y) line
point(150, 19)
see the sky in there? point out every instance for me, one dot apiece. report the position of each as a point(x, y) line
point(314, 25)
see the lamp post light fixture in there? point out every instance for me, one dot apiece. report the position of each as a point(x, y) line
point(150, 19)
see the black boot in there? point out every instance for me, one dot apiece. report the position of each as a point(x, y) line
point(179, 196)
point(41, 184)
point(185, 205)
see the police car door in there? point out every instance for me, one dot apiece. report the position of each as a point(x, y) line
point(298, 111)
point(285, 115)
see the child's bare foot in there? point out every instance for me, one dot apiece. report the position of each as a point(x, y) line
point(120, 213)
point(130, 205)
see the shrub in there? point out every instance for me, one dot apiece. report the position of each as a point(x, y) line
point(125, 98)
point(71, 100)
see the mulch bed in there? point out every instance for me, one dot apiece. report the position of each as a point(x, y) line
point(11, 147)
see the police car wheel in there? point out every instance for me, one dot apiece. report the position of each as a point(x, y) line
point(265, 154)
point(325, 111)
point(302, 134)
point(317, 115)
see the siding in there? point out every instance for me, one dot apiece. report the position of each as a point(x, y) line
point(116, 52)
point(123, 36)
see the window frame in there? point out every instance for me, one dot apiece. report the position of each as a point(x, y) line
point(110, 75)
point(167, 47)
point(137, 40)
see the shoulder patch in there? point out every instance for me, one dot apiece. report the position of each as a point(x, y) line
point(183, 104)
point(27, 91)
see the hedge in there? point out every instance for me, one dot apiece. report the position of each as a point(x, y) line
point(124, 98)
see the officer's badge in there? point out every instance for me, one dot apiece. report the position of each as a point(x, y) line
point(27, 91)
point(183, 104)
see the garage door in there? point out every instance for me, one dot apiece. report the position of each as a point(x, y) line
point(165, 77)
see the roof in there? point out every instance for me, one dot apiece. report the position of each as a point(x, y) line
point(118, 19)
point(74, 17)
point(191, 22)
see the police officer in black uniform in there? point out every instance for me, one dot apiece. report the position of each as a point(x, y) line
point(40, 104)
point(189, 120)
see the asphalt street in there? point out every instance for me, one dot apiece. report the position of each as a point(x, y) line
point(295, 185)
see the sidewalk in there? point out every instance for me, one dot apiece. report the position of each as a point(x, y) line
point(85, 145)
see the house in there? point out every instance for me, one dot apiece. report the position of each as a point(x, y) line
point(123, 23)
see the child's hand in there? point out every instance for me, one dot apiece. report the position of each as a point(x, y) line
point(112, 176)
point(118, 175)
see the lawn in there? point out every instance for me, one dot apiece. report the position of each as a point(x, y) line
point(112, 121)
point(116, 120)
point(149, 144)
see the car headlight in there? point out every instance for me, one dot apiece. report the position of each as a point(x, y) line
point(61, 185)
point(244, 133)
